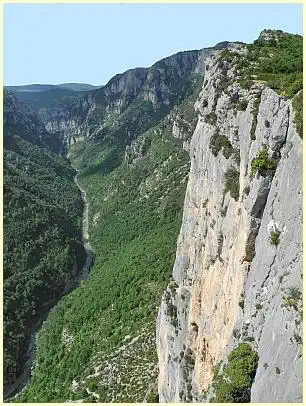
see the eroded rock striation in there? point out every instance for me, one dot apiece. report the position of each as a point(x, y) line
point(237, 276)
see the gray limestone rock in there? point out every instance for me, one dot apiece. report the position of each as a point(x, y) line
point(233, 282)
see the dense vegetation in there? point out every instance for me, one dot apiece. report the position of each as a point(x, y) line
point(99, 342)
point(232, 183)
point(263, 164)
point(42, 223)
point(297, 104)
point(233, 384)
point(276, 60)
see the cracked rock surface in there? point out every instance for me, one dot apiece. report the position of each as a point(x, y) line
point(231, 283)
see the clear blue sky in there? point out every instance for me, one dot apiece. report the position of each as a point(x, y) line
point(55, 43)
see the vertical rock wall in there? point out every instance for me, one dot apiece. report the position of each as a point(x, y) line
point(230, 282)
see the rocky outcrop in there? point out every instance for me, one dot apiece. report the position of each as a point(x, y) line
point(237, 274)
point(161, 84)
point(66, 119)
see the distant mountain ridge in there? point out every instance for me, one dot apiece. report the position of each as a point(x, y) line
point(141, 82)
point(161, 84)
point(37, 87)
point(39, 95)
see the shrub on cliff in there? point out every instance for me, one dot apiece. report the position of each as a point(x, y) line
point(153, 397)
point(297, 104)
point(274, 238)
point(232, 183)
point(220, 142)
point(234, 384)
point(242, 105)
point(263, 163)
point(255, 109)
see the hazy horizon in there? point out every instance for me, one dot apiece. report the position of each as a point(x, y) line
point(90, 43)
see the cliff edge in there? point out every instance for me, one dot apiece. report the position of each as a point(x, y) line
point(237, 277)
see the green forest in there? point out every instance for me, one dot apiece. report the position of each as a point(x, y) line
point(42, 226)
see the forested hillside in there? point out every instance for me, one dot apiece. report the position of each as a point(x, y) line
point(99, 342)
point(42, 230)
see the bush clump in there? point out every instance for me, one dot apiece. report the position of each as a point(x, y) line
point(92, 386)
point(277, 62)
point(246, 84)
point(292, 298)
point(211, 118)
point(232, 183)
point(234, 385)
point(297, 104)
point(274, 238)
point(242, 105)
point(153, 397)
point(263, 163)
point(220, 142)
point(228, 56)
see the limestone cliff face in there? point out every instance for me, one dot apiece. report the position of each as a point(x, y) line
point(66, 120)
point(160, 84)
point(231, 284)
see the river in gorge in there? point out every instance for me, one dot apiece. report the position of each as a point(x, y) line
point(23, 380)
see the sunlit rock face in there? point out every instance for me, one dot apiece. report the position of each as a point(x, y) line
point(229, 280)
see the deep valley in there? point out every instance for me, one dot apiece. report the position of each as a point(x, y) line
point(155, 225)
